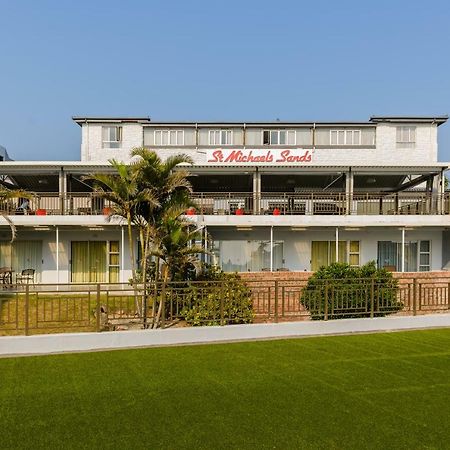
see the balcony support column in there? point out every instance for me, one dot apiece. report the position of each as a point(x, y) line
point(402, 266)
point(57, 253)
point(439, 191)
point(349, 191)
point(62, 190)
point(256, 192)
point(271, 248)
point(337, 243)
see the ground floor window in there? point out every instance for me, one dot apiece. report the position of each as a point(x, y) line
point(323, 253)
point(417, 255)
point(95, 261)
point(21, 255)
point(244, 256)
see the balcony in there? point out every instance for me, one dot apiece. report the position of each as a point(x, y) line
point(248, 203)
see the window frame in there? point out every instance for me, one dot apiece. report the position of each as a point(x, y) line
point(278, 132)
point(221, 132)
point(161, 132)
point(400, 130)
point(346, 132)
point(118, 141)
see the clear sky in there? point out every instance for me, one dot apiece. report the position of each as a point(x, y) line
point(210, 60)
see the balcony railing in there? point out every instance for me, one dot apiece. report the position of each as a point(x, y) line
point(249, 203)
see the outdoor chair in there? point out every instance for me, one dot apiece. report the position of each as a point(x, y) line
point(25, 276)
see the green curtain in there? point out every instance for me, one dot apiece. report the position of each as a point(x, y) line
point(80, 261)
point(5, 254)
point(342, 249)
point(319, 254)
point(89, 261)
point(97, 261)
point(22, 255)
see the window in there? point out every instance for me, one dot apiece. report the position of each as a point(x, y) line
point(279, 137)
point(406, 137)
point(406, 134)
point(424, 256)
point(220, 137)
point(113, 261)
point(323, 253)
point(243, 256)
point(345, 137)
point(169, 137)
point(111, 137)
point(417, 255)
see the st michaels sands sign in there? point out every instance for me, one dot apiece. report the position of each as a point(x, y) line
point(229, 156)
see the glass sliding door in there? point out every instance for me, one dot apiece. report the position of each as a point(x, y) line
point(319, 254)
point(417, 255)
point(89, 261)
point(323, 253)
point(22, 255)
point(247, 256)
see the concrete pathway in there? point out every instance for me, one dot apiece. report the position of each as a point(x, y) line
point(79, 342)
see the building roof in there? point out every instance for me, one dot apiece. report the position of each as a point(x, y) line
point(102, 119)
point(439, 120)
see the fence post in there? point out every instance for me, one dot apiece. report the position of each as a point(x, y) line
point(325, 311)
point(221, 305)
point(276, 301)
point(372, 298)
point(419, 297)
point(163, 305)
point(98, 309)
point(27, 309)
point(448, 296)
point(414, 296)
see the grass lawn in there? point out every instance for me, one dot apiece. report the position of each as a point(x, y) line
point(363, 391)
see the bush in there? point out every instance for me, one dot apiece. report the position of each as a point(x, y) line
point(340, 291)
point(203, 300)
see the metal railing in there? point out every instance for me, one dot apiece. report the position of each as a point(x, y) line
point(32, 309)
point(231, 203)
point(320, 203)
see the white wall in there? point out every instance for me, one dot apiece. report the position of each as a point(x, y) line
point(386, 151)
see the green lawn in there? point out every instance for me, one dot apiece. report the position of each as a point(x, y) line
point(364, 391)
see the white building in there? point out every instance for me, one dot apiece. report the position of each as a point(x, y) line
point(273, 196)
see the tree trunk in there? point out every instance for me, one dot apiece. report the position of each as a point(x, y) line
point(162, 301)
point(133, 261)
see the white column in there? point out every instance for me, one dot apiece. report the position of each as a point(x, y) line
point(403, 250)
point(349, 191)
point(256, 193)
point(57, 254)
point(271, 248)
point(337, 244)
point(122, 253)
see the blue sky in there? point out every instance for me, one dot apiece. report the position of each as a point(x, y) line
point(206, 60)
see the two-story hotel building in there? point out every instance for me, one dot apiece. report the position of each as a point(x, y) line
point(271, 196)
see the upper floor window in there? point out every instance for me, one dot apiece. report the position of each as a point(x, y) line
point(169, 137)
point(406, 136)
point(279, 137)
point(111, 137)
point(345, 137)
point(220, 137)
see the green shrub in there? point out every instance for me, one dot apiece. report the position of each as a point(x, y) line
point(339, 291)
point(202, 301)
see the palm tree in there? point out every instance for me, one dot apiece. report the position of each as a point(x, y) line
point(172, 190)
point(125, 195)
point(175, 245)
